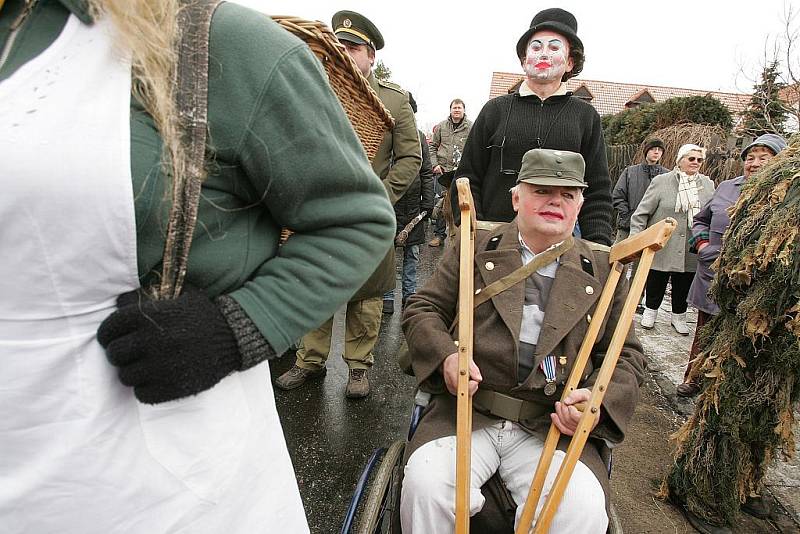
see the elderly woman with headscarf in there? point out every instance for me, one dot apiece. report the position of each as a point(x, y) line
point(709, 226)
point(679, 194)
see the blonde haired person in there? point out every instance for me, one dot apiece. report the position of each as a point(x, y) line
point(119, 413)
point(679, 194)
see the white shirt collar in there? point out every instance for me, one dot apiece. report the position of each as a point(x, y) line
point(525, 90)
point(528, 255)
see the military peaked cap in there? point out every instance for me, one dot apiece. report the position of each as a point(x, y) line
point(356, 28)
point(542, 166)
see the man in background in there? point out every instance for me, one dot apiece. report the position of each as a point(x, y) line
point(397, 163)
point(447, 145)
point(417, 200)
point(630, 188)
point(632, 184)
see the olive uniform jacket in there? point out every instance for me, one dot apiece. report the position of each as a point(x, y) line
point(397, 163)
point(579, 280)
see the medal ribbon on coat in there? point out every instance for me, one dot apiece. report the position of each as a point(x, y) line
point(548, 367)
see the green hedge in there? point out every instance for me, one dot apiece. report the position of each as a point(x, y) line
point(632, 126)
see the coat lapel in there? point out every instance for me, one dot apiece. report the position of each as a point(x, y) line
point(494, 265)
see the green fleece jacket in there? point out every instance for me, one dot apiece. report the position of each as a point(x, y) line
point(282, 153)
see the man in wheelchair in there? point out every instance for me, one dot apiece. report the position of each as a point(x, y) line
point(526, 338)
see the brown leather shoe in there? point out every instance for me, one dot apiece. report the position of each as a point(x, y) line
point(357, 384)
point(435, 242)
point(688, 389)
point(297, 376)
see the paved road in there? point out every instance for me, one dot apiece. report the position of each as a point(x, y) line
point(330, 438)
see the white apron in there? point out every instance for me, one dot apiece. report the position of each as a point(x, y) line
point(78, 453)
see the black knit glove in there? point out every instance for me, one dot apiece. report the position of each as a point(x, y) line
point(168, 349)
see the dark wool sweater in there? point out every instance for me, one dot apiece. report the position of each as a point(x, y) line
point(560, 122)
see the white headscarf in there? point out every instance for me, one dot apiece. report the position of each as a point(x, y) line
point(687, 200)
point(685, 149)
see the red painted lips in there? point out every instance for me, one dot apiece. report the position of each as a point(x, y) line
point(551, 215)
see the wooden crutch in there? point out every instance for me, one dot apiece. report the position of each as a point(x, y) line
point(465, 315)
point(645, 244)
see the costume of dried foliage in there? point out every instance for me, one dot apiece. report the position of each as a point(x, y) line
point(750, 362)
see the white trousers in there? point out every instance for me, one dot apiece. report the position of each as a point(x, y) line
point(428, 497)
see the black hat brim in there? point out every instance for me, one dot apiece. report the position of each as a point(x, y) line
point(558, 27)
point(350, 38)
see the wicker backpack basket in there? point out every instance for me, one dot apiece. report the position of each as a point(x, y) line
point(367, 114)
point(370, 119)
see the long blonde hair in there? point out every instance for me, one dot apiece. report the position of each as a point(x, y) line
point(149, 29)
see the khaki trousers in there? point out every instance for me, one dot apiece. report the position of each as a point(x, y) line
point(361, 325)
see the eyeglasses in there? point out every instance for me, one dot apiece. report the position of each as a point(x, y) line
point(692, 159)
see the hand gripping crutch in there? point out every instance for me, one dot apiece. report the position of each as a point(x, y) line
point(465, 315)
point(645, 244)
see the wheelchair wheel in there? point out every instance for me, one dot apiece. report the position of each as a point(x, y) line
point(377, 513)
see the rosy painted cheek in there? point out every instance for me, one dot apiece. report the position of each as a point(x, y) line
point(545, 66)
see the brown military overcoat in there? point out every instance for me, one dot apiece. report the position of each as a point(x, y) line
point(579, 280)
point(397, 163)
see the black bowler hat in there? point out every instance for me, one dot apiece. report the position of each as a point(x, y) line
point(555, 19)
point(356, 28)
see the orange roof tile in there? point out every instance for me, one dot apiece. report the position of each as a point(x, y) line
point(790, 94)
point(611, 97)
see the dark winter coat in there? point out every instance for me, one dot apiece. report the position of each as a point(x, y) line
point(630, 188)
point(418, 198)
point(397, 163)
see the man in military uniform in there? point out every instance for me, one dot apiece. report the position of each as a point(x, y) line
point(526, 340)
point(397, 162)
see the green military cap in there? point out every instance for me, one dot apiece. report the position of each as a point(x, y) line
point(356, 28)
point(542, 166)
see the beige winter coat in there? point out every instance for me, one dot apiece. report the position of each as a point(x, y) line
point(657, 204)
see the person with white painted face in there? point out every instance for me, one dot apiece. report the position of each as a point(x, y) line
point(541, 113)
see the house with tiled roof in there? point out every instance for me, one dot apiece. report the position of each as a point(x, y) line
point(790, 94)
point(612, 97)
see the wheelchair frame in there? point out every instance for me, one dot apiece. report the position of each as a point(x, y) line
point(372, 509)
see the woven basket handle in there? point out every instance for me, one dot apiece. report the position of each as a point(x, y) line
point(191, 98)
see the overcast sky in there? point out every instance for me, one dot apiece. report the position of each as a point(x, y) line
point(440, 50)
